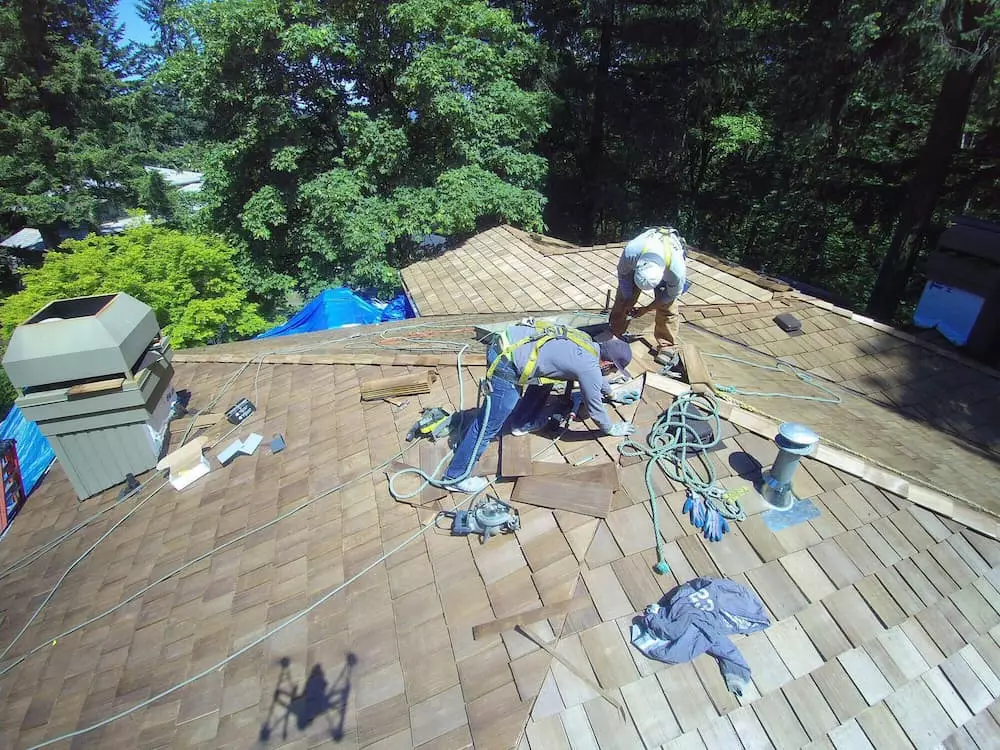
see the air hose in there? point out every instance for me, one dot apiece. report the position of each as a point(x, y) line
point(671, 444)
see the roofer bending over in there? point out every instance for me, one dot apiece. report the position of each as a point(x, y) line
point(652, 262)
point(533, 356)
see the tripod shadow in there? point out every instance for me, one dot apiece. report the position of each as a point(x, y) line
point(318, 697)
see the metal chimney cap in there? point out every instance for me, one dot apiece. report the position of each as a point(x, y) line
point(796, 438)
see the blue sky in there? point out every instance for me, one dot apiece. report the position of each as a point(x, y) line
point(136, 29)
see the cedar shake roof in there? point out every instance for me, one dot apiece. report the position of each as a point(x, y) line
point(885, 608)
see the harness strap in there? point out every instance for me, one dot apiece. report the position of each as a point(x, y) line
point(544, 333)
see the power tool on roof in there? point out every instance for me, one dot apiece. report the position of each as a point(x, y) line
point(488, 517)
point(434, 423)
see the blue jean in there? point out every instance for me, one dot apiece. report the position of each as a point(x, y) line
point(505, 403)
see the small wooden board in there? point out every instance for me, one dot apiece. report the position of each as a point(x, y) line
point(515, 456)
point(431, 454)
point(694, 366)
point(605, 475)
point(564, 493)
point(100, 386)
point(411, 384)
point(487, 629)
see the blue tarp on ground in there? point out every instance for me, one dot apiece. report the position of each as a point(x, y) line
point(336, 308)
point(34, 453)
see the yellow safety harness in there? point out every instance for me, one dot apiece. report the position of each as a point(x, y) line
point(545, 331)
point(663, 234)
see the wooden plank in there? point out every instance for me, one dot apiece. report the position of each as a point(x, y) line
point(882, 604)
point(810, 707)
point(411, 384)
point(695, 369)
point(823, 631)
point(871, 683)
point(983, 670)
point(714, 683)
point(882, 728)
point(921, 641)
point(950, 700)
point(853, 615)
point(650, 711)
point(767, 669)
point(638, 581)
point(686, 696)
point(515, 456)
point(778, 591)
point(609, 655)
point(749, 729)
point(780, 722)
point(98, 386)
point(608, 595)
point(431, 454)
point(839, 690)
point(526, 618)
point(611, 728)
point(968, 685)
point(835, 563)
point(561, 494)
point(900, 590)
point(632, 528)
point(808, 575)
point(920, 714)
point(850, 736)
point(794, 647)
point(859, 552)
point(605, 474)
point(605, 693)
point(719, 734)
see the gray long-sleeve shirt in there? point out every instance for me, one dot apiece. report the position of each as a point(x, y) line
point(561, 359)
point(699, 617)
point(650, 246)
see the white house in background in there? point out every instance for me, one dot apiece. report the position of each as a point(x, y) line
point(27, 244)
point(184, 180)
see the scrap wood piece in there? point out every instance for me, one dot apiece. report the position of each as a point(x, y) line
point(411, 384)
point(515, 456)
point(432, 454)
point(695, 368)
point(100, 386)
point(576, 672)
point(605, 475)
point(562, 493)
point(196, 423)
point(501, 624)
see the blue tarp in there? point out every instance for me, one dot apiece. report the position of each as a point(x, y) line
point(34, 453)
point(952, 311)
point(336, 308)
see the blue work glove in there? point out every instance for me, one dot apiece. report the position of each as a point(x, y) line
point(626, 397)
point(621, 429)
point(715, 526)
point(694, 506)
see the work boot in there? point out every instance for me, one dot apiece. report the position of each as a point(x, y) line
point(470, 485)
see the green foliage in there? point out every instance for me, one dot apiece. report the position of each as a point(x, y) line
point(61, 158)
point(189, 281)
point(342, 131)
point(782, 135)
point(155, 197)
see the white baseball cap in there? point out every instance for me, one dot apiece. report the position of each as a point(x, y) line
point(648, 275)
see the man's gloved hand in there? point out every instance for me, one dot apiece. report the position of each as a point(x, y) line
point(621, 429)
point(626, 397)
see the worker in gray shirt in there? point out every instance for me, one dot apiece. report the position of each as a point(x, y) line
point(653, 262)
point(533, 356)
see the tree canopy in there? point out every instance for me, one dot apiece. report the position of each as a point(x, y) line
point(190, 282)
point(825, 142)
point(344, 132)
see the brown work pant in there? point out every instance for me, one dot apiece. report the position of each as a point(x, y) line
point(666, 329)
